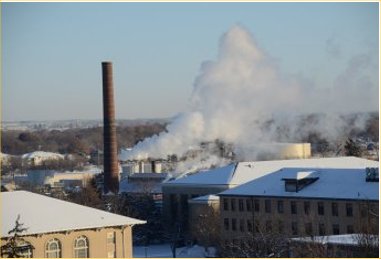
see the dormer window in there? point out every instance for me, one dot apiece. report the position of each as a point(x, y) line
point(371, 174)
point(299, 181)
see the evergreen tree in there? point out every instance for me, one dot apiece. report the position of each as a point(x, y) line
point(16, 245)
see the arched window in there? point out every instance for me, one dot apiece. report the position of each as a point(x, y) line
point(81, 247)
point(53, 248)
point(25, 249)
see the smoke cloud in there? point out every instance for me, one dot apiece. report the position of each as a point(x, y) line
point(235, 95)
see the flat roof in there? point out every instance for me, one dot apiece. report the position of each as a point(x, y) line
point(43, 214)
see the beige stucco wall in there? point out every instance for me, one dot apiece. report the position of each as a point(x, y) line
point(97, 242)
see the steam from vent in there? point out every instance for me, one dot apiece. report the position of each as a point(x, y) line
point(233, 98)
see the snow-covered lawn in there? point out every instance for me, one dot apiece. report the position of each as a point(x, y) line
point(164, 251)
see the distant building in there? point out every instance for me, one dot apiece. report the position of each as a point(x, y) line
point(177, 193)
point(38, 157)
point(143, 183)
point(57, 179)
point(57, 228)
point(302, 202)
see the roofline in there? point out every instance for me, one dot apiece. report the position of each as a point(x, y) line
point(78, 229)
point(194, 185)
point(292, 197)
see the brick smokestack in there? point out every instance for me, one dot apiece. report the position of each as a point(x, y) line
point(111, 179)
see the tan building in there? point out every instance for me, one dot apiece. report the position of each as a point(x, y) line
point(301, 202)
point(57, 228)
point(177, 193)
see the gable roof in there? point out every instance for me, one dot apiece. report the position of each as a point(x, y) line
point(243, 172)
point(42, 214)
point(331, 183)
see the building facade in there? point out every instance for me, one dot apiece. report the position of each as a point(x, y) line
point(178, 193)
point(296, 202)
point(56, 228)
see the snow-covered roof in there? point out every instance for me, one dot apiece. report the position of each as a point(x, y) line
point(43, 155)
point(42, 214)
point(346, 239)
point(205, 199)
point(217, 176)
point(331, 183)
point(242, 172)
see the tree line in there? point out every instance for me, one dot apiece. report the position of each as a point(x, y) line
point(73, 141)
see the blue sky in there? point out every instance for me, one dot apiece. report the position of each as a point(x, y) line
point(52, 52)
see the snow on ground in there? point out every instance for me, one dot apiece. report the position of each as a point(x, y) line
point(164, 251)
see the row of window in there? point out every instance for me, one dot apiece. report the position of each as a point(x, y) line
point(53, 248)
point(247, 226)
point(254, 204)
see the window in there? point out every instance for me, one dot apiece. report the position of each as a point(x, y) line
point(293, 207)
point(320, 208)
point(111, 238)
point(234, 224)
point(335, 209)
point(268, 206)
point(81, 248)
point(280, 207)
point(336, 229)
point(232, 204)
point(242, 225)
point(248, 204)
point(226, 206)
point(256, 224)
point(256, 206)
point(53, 248)
point(269, 227)
point(294, 228)
point(349, 209)
point(350, 229)
point(308, 228)
point(364, 211)
point(307, 207)
point(321, 229)
point(280, 227)
point(240, 205)
point(226, 223)
point(249, 226)
point(24, 249)
point(111, 254)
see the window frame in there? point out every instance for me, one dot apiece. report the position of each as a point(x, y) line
point(77, 248)
point(293, 207)
point(57, 251)
point(335, 209)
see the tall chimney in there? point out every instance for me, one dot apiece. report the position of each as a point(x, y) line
point(111, 179)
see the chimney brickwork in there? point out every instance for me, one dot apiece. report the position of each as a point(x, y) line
point(111, 178)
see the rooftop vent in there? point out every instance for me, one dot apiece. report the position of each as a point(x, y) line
point(299, 181)
point(371, 174)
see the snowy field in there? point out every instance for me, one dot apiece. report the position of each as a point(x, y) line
point(164, 251)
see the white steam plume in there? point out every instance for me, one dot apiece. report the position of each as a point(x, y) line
point(234, 95)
